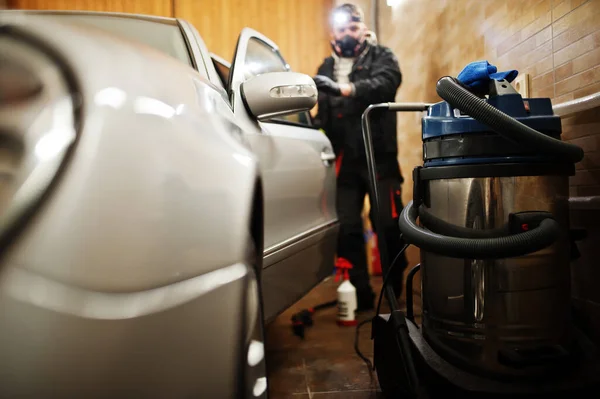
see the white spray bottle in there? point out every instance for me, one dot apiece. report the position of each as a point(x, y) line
point(346, 299)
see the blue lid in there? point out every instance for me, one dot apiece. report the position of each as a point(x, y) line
point(441, 119)
point(468, 142)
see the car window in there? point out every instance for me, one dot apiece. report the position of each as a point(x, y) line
point(164, 37)
point(261, 58)
point(223, 72)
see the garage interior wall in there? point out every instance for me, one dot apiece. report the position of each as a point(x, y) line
point(299, 27)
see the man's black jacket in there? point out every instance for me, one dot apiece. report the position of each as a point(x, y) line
point(376, 77)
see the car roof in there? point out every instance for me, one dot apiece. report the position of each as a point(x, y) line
point(143, 17)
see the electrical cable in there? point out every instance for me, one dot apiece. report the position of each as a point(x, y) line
point(357, 349)
point(370, 365)
point(388, 274)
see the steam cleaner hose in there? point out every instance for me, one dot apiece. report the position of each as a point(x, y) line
point(479, 248)
point(442, 227)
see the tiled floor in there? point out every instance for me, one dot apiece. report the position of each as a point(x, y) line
point(324, 364)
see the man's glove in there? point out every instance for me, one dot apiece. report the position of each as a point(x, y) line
point(326, 85)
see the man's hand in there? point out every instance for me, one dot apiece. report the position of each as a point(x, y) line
point(346, 89)
point(327, 85)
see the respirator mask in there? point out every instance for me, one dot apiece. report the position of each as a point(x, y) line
point(347, 46)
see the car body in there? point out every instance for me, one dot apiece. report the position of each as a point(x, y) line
point(139, 194)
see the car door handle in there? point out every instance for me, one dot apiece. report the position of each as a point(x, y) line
point(327, 158)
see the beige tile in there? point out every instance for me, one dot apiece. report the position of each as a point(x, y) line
point(568, 121)
point(509, 43)
point(564, 71)
point(578, 81)
point(526, 17)
point(561, 9)
point(585, 178)
point(543, 7)
point(536, 55)
point(544, 92)
point(543, 36)
point(574, 50)
point(577, 15)
point(563, 98)
point(588, 143)
point(542, 66)
point(590, 161)
point(586, 91)
point(571, 132)
point(586, 61)
point(538, 25)
point(540, 28)
point(586, 117)
point(579, 29)
point(521, 50)
point(579, 64)
point(543, 81)
point(491, 24)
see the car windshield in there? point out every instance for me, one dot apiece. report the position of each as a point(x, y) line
point(163, 37)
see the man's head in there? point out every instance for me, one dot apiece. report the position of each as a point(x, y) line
point(347, 30)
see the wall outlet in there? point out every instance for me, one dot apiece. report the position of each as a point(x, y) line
point(521, 84)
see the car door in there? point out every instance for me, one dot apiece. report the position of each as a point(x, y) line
point(298, 171)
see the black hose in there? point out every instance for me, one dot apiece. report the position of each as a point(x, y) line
point(410, 315)
point(481, 248)
point(442, 227)
point(459, 97)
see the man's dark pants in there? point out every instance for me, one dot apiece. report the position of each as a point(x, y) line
point(352, 187)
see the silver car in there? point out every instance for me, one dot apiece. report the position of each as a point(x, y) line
point(140, 188)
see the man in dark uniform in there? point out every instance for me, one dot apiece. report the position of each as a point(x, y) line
point(357, 74)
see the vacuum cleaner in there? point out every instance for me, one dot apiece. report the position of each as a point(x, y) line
point(491, 200)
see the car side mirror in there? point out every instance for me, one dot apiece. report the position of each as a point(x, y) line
point(278, 93)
